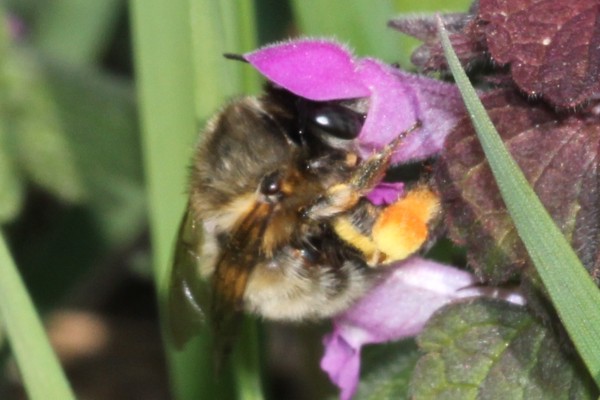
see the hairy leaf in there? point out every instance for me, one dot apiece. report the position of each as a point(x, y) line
point(386, 371)
point(559, 157)
point(490, 349)
point(551, 46)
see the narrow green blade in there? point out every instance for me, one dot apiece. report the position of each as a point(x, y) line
point(42, 374)
point(164, 80)
point(182, 79)
point(571, 289)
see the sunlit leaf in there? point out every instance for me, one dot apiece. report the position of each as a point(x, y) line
point(487, 349)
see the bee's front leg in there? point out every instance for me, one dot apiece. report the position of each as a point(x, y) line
point(343, 196)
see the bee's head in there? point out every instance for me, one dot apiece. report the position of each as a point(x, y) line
point(317, 124)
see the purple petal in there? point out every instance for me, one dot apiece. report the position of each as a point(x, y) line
point(397, 308)
point(398, 101)
point(314, 69)
point(323, 70)
point(339, 352)
point(439, 106)
point(392, 108)
point(386, 193)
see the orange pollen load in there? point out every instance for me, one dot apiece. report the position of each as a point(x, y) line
point(402, 228)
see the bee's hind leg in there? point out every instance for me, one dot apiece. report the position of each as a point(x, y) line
point(395, 231)
point(343, 196)
point(403, 227)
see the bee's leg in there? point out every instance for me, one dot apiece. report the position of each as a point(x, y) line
point(343, 196)
point(402, 228)
point(398, 231)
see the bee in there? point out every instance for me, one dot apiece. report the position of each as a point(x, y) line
point(278, 223)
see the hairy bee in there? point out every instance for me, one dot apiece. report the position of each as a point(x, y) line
point(278, 223)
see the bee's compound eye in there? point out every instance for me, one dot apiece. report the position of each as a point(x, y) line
point(336, 120)
point(270, 184)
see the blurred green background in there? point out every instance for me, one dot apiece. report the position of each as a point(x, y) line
point(100, 105)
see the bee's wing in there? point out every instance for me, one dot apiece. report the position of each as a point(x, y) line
point(193, 302)
point(189, 295)
point(233, 268)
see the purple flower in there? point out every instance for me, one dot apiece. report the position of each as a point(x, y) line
point(414, 289)
point(16, 27)
point(324, 70)
point(397, 308)
point(386, 193)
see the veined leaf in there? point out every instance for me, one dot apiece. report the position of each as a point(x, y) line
point(572, 291)
point(491, 349)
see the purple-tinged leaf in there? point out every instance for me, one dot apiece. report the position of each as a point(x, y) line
point(465, 33)
point(559, 157)
point(424, 27)
point(551, 46)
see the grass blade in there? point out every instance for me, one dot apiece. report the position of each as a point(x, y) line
point(42, 374)
point(227, 27)
point(163, 61)
point(572, 291)
point(183, 79)
point(220, 27)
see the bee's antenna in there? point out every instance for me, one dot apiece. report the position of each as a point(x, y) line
point(236, 57)
point(396, 142)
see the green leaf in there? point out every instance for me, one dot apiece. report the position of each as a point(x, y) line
point(56, 22)
point(226, 27)
point(386, 370)
point(489, 349)
point(98, 126)
point(11, 186)
point(41, 372)
point(220, 27)
point(42, 150)
point(32, 137)
point(98, 117)
point(572, 291)
point(183, 78)
point(163, 62)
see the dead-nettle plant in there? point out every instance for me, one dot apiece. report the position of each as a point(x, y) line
point(495, 330)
